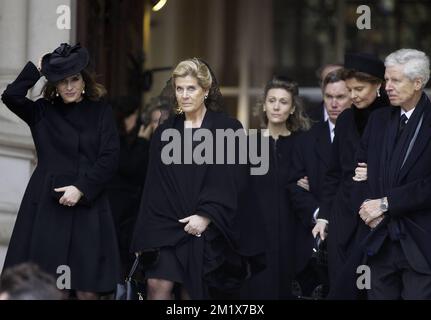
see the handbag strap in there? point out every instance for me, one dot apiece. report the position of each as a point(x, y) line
point(134, 267)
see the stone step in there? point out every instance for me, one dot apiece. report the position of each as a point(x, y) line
point(3, 250)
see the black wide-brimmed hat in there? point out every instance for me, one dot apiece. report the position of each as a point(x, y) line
point(65, 61)
point(366, 63)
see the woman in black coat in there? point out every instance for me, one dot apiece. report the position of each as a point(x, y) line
point(188, 215)
point(64, 218)
point(284, 116)
point(364, 75)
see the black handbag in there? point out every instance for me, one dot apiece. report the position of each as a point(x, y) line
point(313, 281)
point(320, 252)
point(132, 288)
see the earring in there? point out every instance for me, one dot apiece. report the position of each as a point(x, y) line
point(56, 94)
point(178, 110)
point(378, 92)
point(83, 91)
point(206, 96)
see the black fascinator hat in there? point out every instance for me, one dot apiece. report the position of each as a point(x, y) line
point(65, 61)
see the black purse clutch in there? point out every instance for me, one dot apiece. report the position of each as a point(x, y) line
point(58, 181)
point(320, 252)
point(132, 288)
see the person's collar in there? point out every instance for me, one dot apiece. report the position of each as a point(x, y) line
point(331, 126)
point(325, 114)
point(408, 113)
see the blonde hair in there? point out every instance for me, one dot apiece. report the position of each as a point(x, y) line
point(195, 68)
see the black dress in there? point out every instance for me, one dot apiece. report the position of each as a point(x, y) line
point(76, 144)
point(216, 260)
point(275, 281)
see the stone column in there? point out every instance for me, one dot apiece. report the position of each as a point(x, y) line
point(13, 50)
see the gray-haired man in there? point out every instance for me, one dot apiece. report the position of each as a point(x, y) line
point(397, 149)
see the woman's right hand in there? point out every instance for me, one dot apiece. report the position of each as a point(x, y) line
point(303, 183)
point(361, 172)
point(195, 224)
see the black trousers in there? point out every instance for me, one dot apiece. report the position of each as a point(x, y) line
point(393, 278)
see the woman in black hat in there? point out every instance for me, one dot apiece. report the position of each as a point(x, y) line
point(364, 76)
point(64, 218)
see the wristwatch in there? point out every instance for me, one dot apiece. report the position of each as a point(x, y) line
point(384, 204)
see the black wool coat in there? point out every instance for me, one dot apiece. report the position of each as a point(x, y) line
point(404, 177)
point(310, 157)
point(400, 171)
point(76, 144)
point(277, 227)
point(337, 203)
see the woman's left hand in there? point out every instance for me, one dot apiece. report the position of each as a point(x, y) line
point(71, 195)
point(195, 224)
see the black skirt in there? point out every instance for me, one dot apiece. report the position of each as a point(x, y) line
point(167, 267)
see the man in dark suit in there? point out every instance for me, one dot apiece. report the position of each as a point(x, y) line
point(318, 112)
point(397, 149)
point(309, 164)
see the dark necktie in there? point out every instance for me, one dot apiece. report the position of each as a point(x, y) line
point(401, 125)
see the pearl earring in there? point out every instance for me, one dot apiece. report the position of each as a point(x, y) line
point(83, 91)
point(378, 92)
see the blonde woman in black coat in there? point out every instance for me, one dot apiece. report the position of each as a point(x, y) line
point(64, 218)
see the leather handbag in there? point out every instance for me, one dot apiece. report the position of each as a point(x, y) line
point(132, 288)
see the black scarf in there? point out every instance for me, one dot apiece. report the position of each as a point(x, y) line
point(361, 115)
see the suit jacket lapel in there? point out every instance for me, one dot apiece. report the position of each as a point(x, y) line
point(387, 164)
point(421, 142)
